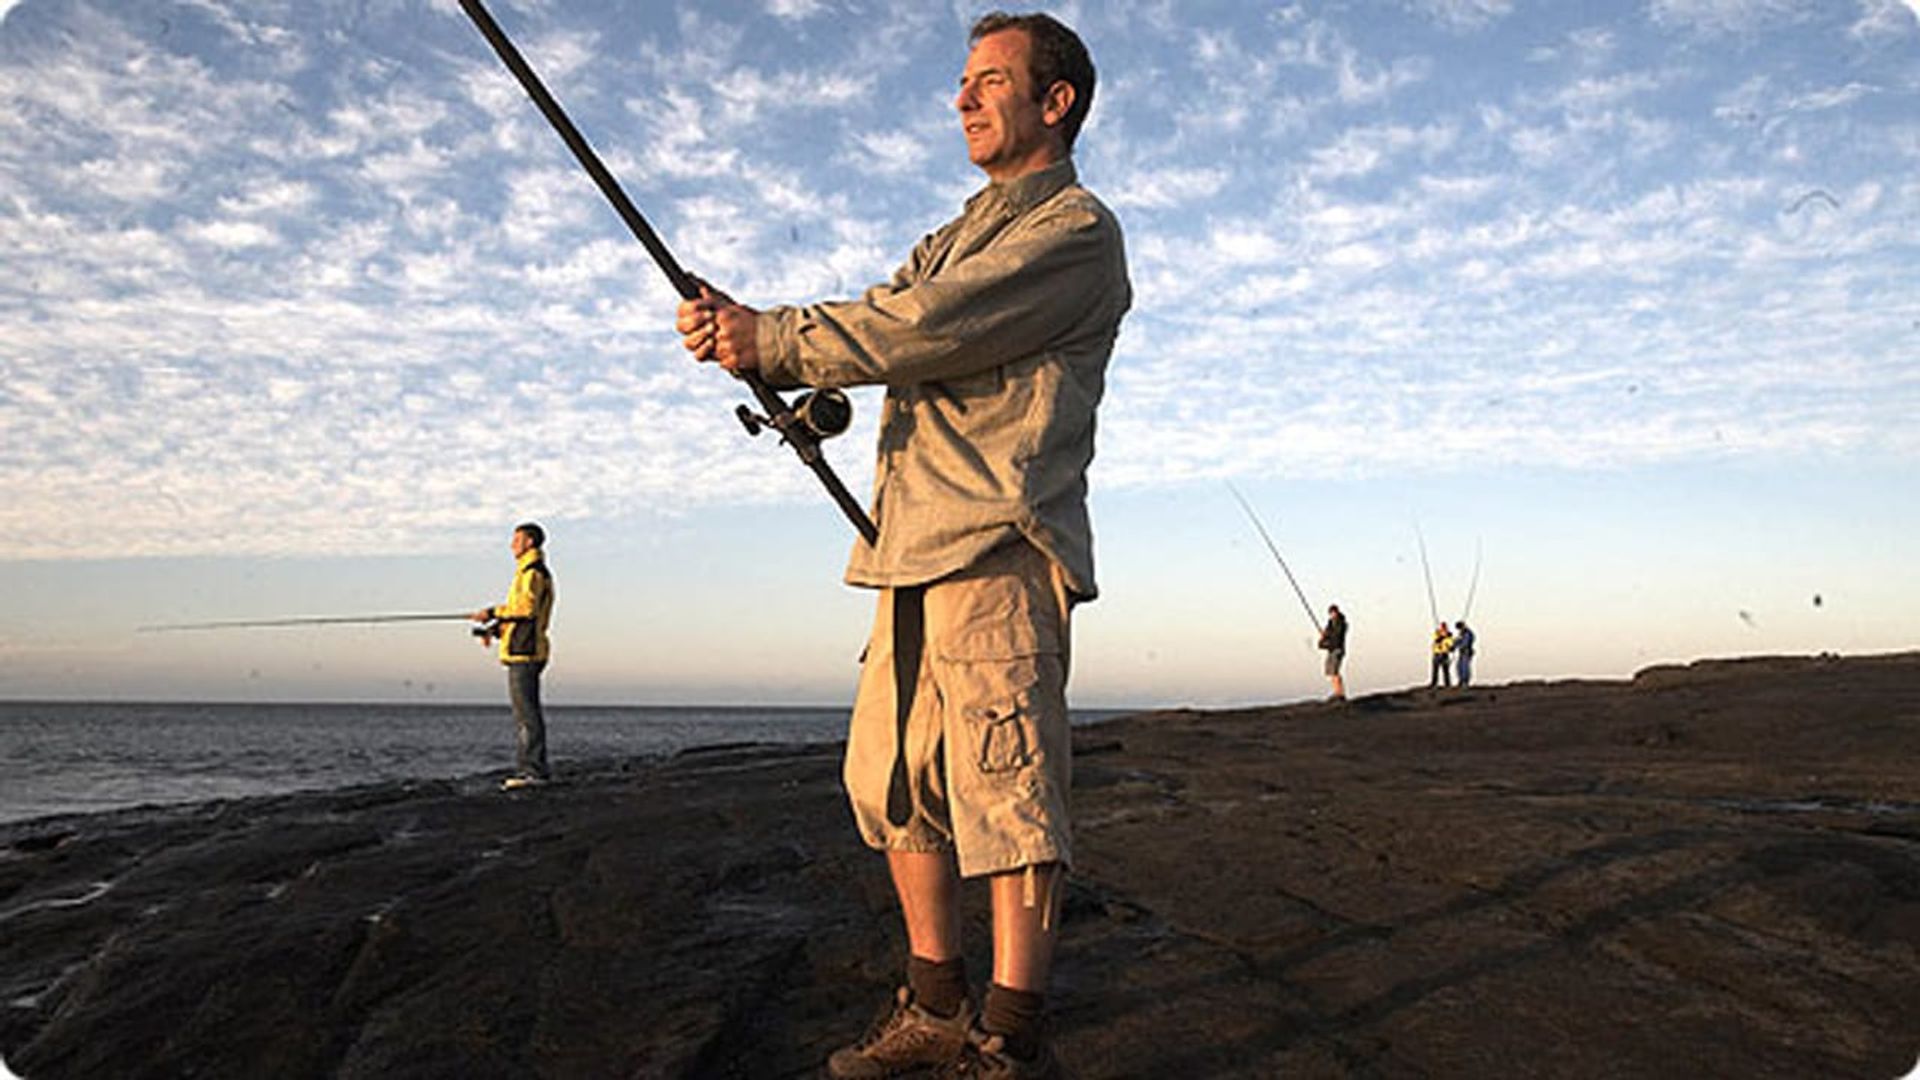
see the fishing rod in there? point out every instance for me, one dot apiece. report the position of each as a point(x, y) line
point(1473, 584)
point(1432, 604)
point(321, 620)
point(1255, 518)
point(815, 415)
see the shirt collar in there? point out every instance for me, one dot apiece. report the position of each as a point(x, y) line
point(1026, 191)
point(529, 557)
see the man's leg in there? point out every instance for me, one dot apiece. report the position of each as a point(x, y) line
point(928, 1020)
point(929, 891)
point(1026, 923)
point(928, 885)
point(523, 689)
point(1003, 643)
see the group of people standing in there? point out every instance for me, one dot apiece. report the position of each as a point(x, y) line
point(1452, 648)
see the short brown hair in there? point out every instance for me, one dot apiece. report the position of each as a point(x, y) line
point(1054, 53)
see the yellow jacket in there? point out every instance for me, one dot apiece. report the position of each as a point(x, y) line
point(1442, 643)
point(528, 610)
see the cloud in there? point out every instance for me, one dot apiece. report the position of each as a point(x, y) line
point(1168, 187)
point(1360, 151)
point(1727, 17)
point(1463, 14)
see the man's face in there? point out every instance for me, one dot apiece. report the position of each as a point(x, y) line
point(522, 543)
point(1006, 129)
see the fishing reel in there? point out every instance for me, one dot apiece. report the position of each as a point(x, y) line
point(823, 413)
point(486, 631)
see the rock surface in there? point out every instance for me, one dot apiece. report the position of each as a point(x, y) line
point(1711, 870)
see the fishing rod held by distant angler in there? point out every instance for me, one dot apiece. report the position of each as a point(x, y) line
point(320, 620)
point(1255, 518)
point(1433, 606)
point(816, 415)
point(1473, 584)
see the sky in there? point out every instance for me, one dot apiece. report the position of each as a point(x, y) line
point(1612, 309)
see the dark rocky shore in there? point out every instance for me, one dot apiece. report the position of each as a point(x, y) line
point(1710, 870)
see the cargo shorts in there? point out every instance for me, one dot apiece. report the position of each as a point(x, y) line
point(959, 737)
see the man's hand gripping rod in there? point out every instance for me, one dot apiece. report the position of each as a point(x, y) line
point(821, 414)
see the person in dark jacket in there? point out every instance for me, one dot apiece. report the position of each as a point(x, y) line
point(1334, 640)
point(1463, 652)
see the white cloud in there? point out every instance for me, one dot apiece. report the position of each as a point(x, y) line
point(1168, 187)
point(1463, 14)
point(1737, 17)
point(795, 10)
point(233, 235)
point(1360, 151)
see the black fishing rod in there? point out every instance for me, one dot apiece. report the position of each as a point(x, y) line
point(817, 415)
point(321, 620)
point(1271, 546)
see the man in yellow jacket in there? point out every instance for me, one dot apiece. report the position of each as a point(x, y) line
point(521, 626)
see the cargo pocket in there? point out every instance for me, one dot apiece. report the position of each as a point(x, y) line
point(996, 635)
point(992, 676)
point(1002, 728)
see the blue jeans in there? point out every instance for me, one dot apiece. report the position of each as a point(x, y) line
point(523, 689)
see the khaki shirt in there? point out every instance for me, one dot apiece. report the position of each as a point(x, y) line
point(992, 342)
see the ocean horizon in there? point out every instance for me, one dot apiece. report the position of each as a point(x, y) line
point(83, 757)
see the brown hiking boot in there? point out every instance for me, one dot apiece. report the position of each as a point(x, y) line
point(904, 1038)
point(986, 1058)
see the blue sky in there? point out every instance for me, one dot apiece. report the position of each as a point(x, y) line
point(304, 307)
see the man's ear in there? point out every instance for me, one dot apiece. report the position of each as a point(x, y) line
point(1058, 103)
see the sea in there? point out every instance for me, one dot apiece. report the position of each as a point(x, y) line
point(91, 757)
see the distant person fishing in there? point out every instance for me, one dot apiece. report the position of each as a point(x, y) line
point(1334, 640)
point(1463, 642)
point(520, 625)
point(1441, 673)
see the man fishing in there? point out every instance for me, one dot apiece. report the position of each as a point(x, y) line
point(992, 341)
point(1334, 640)
point(1442, 673)
point(520, 624)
